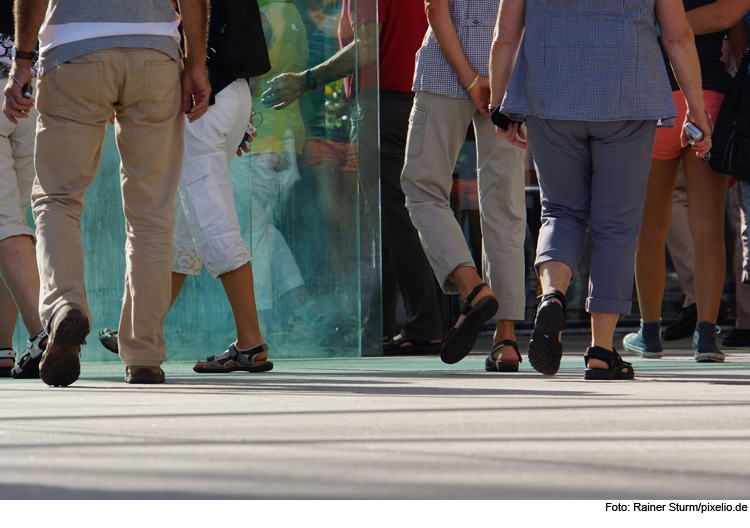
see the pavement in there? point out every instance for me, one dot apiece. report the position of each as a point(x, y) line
point(385, 428)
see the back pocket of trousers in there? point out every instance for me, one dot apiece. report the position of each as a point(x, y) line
point(161, 88)
point(77, 90)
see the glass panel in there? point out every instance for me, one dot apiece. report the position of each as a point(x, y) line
point(307, 198)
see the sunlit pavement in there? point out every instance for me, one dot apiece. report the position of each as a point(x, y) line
point(385, 428)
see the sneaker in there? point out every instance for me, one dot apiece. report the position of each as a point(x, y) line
point(28, 366)
point(60, 365)
point(736, 338)
point(704, 344)
point(138, 374)
point(646, 342)
point(683, 326)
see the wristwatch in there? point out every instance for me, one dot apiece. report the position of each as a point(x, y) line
point(310, 79)
point(15, 53)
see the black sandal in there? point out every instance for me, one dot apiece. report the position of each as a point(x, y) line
point(493, 365)
point(461, 339)
point(7, 354)
point(415, 348)
point(545, 349)
point(614, 362)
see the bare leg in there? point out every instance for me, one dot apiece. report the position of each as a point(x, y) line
point(505, 330)
point(238, 285)
point(21, 275)
point(8, 316)
point(707, 193)
point(650, 262)
point(19, 288)
point(554, 275)
point(178, 281)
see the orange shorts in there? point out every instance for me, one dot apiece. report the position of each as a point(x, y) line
point(667, 145)
point(318, 150)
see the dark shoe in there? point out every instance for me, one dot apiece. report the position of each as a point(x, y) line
point(415, 347)
point(60, 365)
point(462, 338)
point(144, 375)
point(545, 349)
point(645, 342)
point(493, 365)
point(683, 326)
point(704, 344)
point(7, 354)
point(614, 362)
point(28, 366)
point(736, 338)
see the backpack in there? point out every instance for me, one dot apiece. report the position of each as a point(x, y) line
point(730, 153)
point(236, 40)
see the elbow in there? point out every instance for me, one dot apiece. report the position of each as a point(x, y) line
point(678, 39)
point(724, 21)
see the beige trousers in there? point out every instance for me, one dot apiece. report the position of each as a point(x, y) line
point(75, 101)
point(437, 130)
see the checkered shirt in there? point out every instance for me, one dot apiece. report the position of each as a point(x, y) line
point(474, 21)
point(590, 60)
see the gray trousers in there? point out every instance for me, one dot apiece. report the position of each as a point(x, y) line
point(593, 175)
point(437, 130)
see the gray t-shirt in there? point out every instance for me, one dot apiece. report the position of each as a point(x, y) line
point(75, 27)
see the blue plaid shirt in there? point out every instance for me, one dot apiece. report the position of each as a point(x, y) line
point(474, 21)
point(590, 60)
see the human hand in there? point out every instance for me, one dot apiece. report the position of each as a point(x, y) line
point(283, 90)
point(243, 147)
point(480, 94)
point(196, 90)
point(16, 105)
point(704, 122)
point(515, 134)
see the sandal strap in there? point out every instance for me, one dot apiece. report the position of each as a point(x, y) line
point(246, 358)
point(610, 357)
point(466, 308)
point(7, 353)
point(503, 343)
point(552, 294)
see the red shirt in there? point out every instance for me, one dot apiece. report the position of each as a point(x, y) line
point(404, 26)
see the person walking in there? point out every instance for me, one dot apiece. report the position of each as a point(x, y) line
point(452, 92)
point(100, 58)
point(591, 125)
point(19, 286)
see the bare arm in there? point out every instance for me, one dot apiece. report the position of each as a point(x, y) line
point(195, 85)
point(29, 15)
point(719, 16)
point(679, 44)
point(438, 15)
point(509, 29)
point(738, 36)
point(288, 87)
